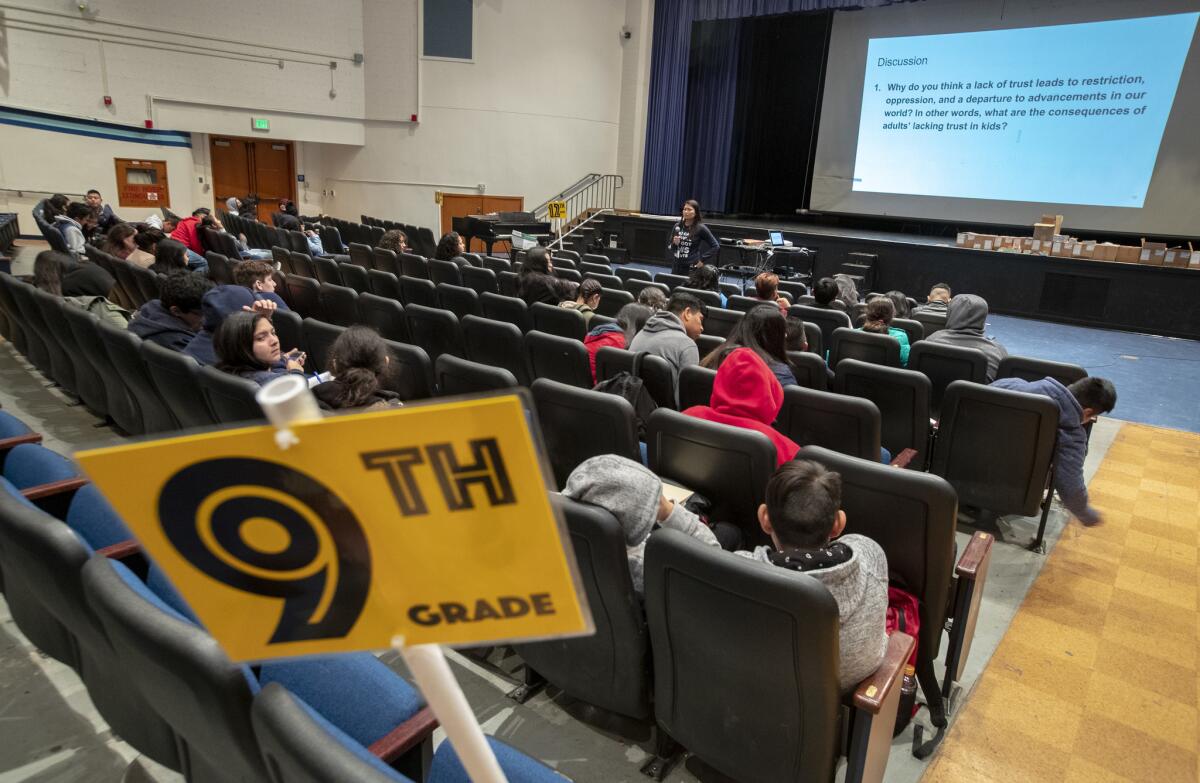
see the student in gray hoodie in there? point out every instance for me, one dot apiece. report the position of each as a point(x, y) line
point(965, 320)
point(672, 333)
point(632, 494)
point(803, 517)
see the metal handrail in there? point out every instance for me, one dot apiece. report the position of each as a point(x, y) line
point(593, 191)
point(581, 224)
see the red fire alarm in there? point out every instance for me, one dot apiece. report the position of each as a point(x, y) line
point(149, 123)
point(108, 100)
point(413, 118)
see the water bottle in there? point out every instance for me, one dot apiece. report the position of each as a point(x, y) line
point(908, 700)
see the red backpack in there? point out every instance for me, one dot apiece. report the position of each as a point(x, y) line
point(902, 615)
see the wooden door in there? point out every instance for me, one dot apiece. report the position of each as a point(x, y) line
point(458, 205)
point(260, 167)
point(142, 183)
point(273, 178)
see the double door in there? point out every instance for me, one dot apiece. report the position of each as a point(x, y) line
point(261, 167)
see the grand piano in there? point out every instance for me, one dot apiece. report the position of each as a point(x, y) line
point(498, 227)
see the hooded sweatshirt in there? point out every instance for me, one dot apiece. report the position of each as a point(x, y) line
point(155, 323)
point(631, 492)
point(965, 320)
point(72, 233)
point(187, 232)
point(664, 335)
point(217, 305)
point(746, 394)
point(860, 587)
point(605, 335)
point(1070, 450)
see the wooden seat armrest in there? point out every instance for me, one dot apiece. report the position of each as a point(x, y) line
point(404, 737)
point(120, 550)
point(19, 440)
point(903, 458)
point(53, 488)
point(871, 693)
point(974, 555)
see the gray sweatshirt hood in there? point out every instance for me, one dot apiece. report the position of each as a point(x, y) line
point(967, 313)
point(664, 321)
point(628, 490)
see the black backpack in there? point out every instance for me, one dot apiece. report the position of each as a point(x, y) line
point(630, 386)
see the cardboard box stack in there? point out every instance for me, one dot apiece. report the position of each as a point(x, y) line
point(1048, 240)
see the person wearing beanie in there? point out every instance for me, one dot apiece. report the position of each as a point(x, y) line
point(217, 305)
point(747, 394)
point(633, 494)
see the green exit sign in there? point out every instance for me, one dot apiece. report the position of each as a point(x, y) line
point(260, 124)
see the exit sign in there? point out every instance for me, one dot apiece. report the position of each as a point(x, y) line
point(260, 124)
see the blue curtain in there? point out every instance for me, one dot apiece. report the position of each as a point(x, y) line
point(664, 181)
point(711, 97)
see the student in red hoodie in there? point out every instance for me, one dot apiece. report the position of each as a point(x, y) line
point(747, 394)
point(630, 320)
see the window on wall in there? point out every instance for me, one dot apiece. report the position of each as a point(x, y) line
point(447, 28)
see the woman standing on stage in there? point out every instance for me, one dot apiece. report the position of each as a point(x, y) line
point(691, 241)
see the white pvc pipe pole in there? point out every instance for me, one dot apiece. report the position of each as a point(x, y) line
point(286, 401)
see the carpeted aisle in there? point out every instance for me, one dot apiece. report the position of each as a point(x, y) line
point(1096, 679)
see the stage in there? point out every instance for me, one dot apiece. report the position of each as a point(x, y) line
point(1100, 294)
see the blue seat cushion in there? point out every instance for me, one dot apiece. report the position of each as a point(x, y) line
point(29, 465)
point(517, 767)
point(91, 516)
point(11, 426)
point(157, 583)
point(348, 742)
point(8, 487)
point(356, 692)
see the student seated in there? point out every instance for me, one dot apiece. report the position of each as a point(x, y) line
point(173, 319)
point(587, 299)
point(705, 278)
point(766, 287)
point(938, 300)
point(880, 312)
point(1079, 404)
point(146, 240)
point(48, 276)
point(630, 320)
point(218, 304)
point(803, 517)
point(965, 320)
point(75, 277)
point(672, 333)
point(78, 221)
point(246, 346)
point(170, 257)
point(536, 281)
point(633, 494)
point(847, 291)
point(746, 394)
point(259, 277)
point(652, 297)
point(825, 295)
point(358, 359)
point(120, 241)
point(451, 248)
point(899, 302)
point(394, 240)
point(763, 330)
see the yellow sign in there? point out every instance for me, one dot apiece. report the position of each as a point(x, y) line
point(558, 210)
point(431, 522)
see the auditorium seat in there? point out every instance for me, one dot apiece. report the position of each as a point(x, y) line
point(809, 369)
point(1031, 369)
point(609, 669)
point(480, 280)
point(495, 343)
point(635, 286)
point(825, 320)
point(319, 337)
point(409, 373)
point(360, 255)
point(848, 425)
point(627, 273)
point(354, 276)
point(384, 284)
point(122, 406)
point(339, 304)
point(605, 279)
point(125, 354)
point(902, 397)
point(302, 264)
point(229, 397)
point(568, 273)
point(578, 424)
point(46, 353)
point(289, 328)
point(508, 282)
point(16, 328)
point(742, 304)
point(778, 713)
point(411, 265)
point(943, 364)
point(436, 331)
point(174, 376)
point(205, 698)
point(562, 321)
point(864, 346)
point(510, 309)
point(720, 322)
point(930, 322)
point(304, 296)
point(695, 386)
point(326, 270)
point(445, 272)
point(384, 315)
point(417, 291)
point(592, 268)
point(914, 329)
point(89, 383)
point(458, 299)
point(612, 300)
point(220, 269)
point(655, 372)
point(497, 265)
point(669, 280)
point(558, 358)
point(728, 465)
point(996, 448)
point(454, 375)
point(708, 298)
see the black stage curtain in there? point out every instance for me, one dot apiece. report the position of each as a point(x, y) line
point(781, 71)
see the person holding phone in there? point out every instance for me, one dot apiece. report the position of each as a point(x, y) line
point(247, 346)
point(691, 241)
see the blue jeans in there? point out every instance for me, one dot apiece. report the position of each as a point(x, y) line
point(196, 262)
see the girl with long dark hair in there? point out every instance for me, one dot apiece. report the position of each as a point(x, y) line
point(763, 330)
point(247, 346)
point(691, 241)
point(358, 360)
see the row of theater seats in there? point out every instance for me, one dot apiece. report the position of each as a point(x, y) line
point(420, 238)
point(80, 590)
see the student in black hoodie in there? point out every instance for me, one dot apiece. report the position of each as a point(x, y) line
point(173, 319)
